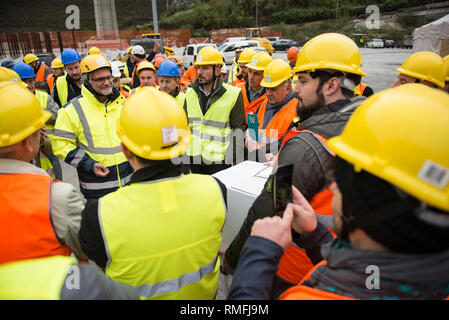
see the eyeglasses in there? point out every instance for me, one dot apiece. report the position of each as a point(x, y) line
point(108, 78)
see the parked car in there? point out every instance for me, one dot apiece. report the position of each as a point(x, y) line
point(375, 43)
point(273, 39)
point(190, 52)
point(284, 44)
point(389, 43)
point(406, 42)
point(227, 50)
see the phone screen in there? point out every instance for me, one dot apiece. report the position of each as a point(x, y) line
point(282, 188)
point(253, 126)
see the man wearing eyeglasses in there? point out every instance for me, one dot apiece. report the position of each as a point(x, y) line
point(85, 132)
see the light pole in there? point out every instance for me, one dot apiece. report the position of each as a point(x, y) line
point(257, 2)
point(155, 23)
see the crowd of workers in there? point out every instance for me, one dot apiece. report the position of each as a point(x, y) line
point(370, 176)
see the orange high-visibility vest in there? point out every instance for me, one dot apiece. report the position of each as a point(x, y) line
point(294, 263)
point(280, 123)
point(40, 75)
point(238, 81)
point(301, 292)
point(250, 106)
point(191, 74)
point(50, 81)
point(26, 230)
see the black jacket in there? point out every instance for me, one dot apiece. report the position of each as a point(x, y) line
point(73, 91)
point(312, 172)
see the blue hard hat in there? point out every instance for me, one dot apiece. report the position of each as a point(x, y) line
point(7, 63)
point(168, 68)
point(24, 70)
point(69, 56)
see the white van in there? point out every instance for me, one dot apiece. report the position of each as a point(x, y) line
point(190, 52)
point(227, 49)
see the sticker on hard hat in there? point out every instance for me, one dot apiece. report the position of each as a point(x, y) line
point(434, 174)
point(100, 62)
point(254, 62)
point(199, 58)
point(169, 135)
point(267, 78)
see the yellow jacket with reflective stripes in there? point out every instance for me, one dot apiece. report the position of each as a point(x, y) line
point(163, 236)
point(86, 127)
point(18, 280)
point(211, 133)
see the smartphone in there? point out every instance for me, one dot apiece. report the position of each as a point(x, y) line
point(281, 190)
point(253, 126)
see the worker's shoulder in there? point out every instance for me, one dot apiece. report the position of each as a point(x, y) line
point(65, 195)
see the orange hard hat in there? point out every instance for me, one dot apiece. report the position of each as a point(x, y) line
point(158, 61)
point(292, 54)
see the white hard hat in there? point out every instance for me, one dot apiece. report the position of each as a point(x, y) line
point(115, 70)
point(120, 65)
point(223, 69)
point(138, 49)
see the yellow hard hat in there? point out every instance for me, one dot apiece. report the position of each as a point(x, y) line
point(145, 65)
point(94, 50)
point(30, 58)
point(246, 55)
point(276, 72)
point(259, 61)
point(7, 74)
point(153, 126)
point(209, 56)
point(20, 113)
point(383, 137)
point(56, 63)
point(128, 51)
point(424, 65)
point(94, 62)
point(446, 65)
point(330, 51)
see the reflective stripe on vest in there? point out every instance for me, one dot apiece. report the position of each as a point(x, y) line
point(170, 251)
point(36, 279)
point(25, 218)
point(294, 263)
point(88, 135)
point(279, 124)
point(42, 97)
point(62, 88)
point(211, 133)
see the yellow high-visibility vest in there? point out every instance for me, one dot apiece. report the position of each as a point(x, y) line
point(36, 279)
point(211, 133)
point(163, 237)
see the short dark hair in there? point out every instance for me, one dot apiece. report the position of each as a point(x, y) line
point(324, 76)
point(148, 162)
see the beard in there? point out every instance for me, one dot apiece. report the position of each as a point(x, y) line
point(305, 111)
